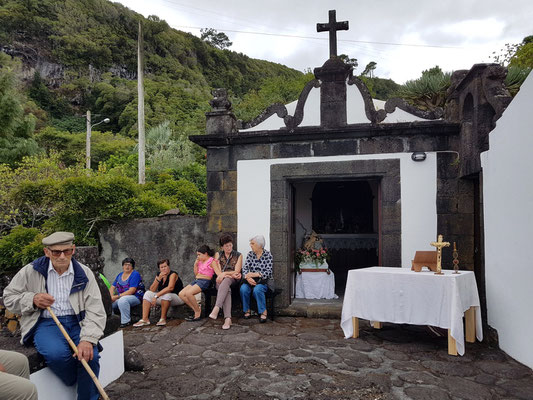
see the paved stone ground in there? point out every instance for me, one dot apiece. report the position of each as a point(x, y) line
point(304, 358)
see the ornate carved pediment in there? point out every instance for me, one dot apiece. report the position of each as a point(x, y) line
point(291, 121)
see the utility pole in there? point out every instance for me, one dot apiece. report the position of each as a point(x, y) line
point(88, 141)
point(140, 104)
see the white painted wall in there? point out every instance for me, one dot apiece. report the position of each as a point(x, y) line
point(418, 199)
point(50, 387)
point(508, 221)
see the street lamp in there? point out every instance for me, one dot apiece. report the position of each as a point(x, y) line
point(88, 138)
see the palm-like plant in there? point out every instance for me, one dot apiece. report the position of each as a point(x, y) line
point(515, 77)
point(427, 92)
point(165, 151)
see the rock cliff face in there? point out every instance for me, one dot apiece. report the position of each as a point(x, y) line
point(53, 73)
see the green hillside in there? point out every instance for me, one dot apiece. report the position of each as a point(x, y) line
point(84, 54)
point(59, 59)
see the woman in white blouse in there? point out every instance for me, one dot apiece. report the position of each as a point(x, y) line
point(256, 271)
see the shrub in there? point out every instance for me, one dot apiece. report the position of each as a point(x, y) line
point(19, 247)
point(186, 196)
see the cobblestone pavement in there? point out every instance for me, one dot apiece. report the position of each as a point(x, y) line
point(303, 358)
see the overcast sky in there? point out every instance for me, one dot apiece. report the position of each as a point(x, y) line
point(454, 34)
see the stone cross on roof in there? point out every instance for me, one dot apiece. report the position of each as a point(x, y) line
point(332, 26)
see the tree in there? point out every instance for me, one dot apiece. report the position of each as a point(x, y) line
point(523, 57)
point(16, 127)
point(217, 39)
point(165, 152)
point(369, 69)
point(349, 61)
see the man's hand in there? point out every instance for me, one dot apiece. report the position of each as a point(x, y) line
point(85, 351)
point(2, 369)
point(43, 300)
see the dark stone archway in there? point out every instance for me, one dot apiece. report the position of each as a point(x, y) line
point(282, 175)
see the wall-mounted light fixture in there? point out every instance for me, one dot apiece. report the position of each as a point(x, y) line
point(418, 156)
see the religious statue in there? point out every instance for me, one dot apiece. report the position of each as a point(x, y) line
point(439, 244)
point(313, 242)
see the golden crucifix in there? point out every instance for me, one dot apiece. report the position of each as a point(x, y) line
point(439, 244)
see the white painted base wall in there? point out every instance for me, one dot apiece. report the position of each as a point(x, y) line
point(418, 199)
point(50, 387)
point(508, 220)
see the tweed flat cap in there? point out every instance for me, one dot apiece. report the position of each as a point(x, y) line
point(58, 238)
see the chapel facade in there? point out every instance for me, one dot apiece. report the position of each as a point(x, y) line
point(376, 180)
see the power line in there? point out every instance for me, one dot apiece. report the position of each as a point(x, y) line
point(324, 38)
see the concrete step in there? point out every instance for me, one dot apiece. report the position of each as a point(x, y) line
point(314, 308)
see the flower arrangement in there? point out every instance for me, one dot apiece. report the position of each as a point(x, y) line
point(313, 255)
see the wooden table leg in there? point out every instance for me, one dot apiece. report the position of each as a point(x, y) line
point(355, 323)
point(452, 346)
point(470, 322)
point(376, 325)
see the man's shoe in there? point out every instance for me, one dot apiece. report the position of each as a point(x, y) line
point(125, 324)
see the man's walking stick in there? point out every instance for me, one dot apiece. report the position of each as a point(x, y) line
point(75, 349)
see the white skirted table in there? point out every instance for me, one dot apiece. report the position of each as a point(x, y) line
point(315, 284)
point(402, 296)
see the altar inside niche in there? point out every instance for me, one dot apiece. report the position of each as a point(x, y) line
point(344, 213)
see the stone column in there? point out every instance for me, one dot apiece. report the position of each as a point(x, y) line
point(221, 175)
point(333, 75)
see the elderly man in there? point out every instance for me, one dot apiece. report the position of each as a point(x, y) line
point(69, 288)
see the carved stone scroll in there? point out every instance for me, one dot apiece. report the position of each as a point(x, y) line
point(276, 108)
point(370, 111)
point(292, 122)
point(396, 102)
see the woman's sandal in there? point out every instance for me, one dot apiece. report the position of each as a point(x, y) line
point(214, 315)
point(247, 315)
point(263, 318)
point(161, 322)
point(227, 323)
point(140, 323)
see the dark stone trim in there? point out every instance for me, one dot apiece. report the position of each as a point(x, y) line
point(431, 128)
point(282, 175)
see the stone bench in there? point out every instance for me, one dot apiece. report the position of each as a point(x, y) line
point(174, 312)
point(236, 299)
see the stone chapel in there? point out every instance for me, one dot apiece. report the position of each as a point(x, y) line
point(376, 180)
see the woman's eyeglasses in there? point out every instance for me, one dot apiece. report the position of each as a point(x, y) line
point(57, 253)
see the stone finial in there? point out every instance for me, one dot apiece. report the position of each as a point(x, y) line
point(220, 100)
point(220, 120)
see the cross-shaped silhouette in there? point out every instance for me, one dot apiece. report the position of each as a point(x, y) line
point(332, 26)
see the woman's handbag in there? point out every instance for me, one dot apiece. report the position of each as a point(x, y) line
point(269, 282)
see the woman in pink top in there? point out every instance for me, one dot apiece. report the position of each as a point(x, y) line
point(204, 268)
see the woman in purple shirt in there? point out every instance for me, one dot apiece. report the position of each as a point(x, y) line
point(126, 291)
